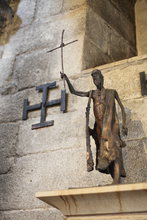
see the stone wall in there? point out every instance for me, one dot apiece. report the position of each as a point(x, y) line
point(110, 32)
point(54, 157)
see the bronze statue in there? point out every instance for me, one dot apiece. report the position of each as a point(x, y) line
point(106, 131)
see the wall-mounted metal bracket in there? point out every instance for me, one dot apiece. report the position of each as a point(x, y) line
point(143, 82)
point(44, 105)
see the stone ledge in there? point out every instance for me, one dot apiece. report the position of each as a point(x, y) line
point(116, 64)
point(105, 200)
point(136, 216)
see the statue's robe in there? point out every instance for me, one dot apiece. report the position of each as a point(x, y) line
point(109, 144)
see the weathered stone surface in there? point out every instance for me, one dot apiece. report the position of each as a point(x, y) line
point(136, 118)
point(40, 67)
point(48, 171)
point(8, 138)
point(1, 51)
point(48, 8)
point(31, 69)
point(93, 55)
point(30, 38)
point(26, 11)
point(119, 47)
point(48, 34)
point(135, 162)
point(127, 7)
point(6, 164)
point(42, 214)
point(8, 143)
point(110, 45)
point(70, 5)
point(1, 215)
point(12, 105)
point(128, 84)
point(63, 135)
point(6, 68)
point(8, 84)
point(11, 108)
point(115, 18)
point(141, 22)
point(98, 31)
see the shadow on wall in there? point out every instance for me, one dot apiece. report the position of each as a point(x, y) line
point(134, 154)
point(9, 21)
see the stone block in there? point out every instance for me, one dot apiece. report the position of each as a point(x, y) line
point(1, 215)
point(115, 18)
point(12, 105)
point(8, 137)
point(40, 67)
point(97, 31)
point(1, 51)
point(31, 69)
point(28, 38)
point(47, 35)
point(128, 84)
point(63, 135)
point(6, 164)
point(60, 169)
point(48, 8)
point(93, 55)
point(6, 70)
point(105, 38)
point(71, 5)
point(119, 47)
point(126, 7)
point(25, 13)
point(136, 118)
point(42, 214)
point(8, 144)
point(135, 162)
point(10, 108)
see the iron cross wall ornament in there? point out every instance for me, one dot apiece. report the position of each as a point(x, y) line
point(44, 105)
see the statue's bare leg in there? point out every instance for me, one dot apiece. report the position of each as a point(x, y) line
point(116, 172)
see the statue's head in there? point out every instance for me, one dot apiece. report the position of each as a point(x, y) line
point(98, 78)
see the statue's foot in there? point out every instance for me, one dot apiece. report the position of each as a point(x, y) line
point(115, 182)
point(123, 173)
point(89, 168)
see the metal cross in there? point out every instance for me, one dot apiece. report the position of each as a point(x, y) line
point(44, 105)
point(61, 46)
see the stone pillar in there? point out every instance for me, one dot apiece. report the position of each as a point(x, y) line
point(141, 26)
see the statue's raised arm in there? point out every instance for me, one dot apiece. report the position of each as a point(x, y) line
point(71, 88)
